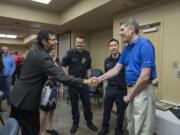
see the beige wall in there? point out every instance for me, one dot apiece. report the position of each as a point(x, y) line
point(99, 47)
point(169, 16)
point(96, 44)
point(21, 49)
point(24, 13)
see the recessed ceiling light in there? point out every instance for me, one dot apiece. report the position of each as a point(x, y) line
point(8, 36)
point(42, 1)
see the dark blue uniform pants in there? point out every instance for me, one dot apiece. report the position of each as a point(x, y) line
point(27, 119)
point(3, 86)
point(114, 95)
point(83, 94)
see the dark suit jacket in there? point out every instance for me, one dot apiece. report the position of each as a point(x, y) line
point(37, 66)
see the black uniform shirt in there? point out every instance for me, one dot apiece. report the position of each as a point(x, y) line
point(78, 63)
point(119, 79)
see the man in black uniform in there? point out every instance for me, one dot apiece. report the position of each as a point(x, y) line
point(77, 62)
point(115, 91)
point(26, 93)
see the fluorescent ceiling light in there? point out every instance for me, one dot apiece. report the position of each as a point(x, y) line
point(11, 36)
point(8, 36)
point(42, 1)
point(3, 35)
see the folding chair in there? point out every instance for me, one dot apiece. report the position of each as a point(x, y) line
point(10, 127)
point(96, 91)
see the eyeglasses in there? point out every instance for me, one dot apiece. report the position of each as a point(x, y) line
point(52, 39)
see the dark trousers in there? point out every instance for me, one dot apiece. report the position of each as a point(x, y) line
point(3, 86)
point(114, 95)
point(83, 94)
point(8, 80)
point(16, 75)
point(28, 120)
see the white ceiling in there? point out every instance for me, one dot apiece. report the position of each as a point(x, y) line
point(96, 19)
point(22, 28)
point(56, 6)
point(25, 28)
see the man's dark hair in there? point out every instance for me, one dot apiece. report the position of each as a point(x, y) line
point(113, 39)
point(44, 34)
point(16, 52)
point(81, 37)
point(132, 23)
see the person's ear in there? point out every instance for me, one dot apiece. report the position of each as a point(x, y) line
point(44, 41)
point(132, 29)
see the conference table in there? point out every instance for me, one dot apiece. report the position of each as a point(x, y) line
point(167, 123)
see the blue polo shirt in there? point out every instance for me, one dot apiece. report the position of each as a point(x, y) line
point(9, 64)
point(136, 56)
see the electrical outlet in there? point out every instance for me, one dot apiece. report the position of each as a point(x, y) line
point(175, 65)
point(178, 74)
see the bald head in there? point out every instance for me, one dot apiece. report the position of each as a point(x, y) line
point(5, 49)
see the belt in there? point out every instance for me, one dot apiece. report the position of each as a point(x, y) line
point(133, 84)
point(118, 86)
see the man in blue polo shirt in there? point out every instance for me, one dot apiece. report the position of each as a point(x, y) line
point(138, 58)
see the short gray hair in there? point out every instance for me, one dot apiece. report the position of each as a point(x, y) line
point(132, 23)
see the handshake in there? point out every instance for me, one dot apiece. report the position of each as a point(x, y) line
point(93, 81)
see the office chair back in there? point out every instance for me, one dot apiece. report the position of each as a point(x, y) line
point(96, 72)
point(10, 127)
point(96, 91)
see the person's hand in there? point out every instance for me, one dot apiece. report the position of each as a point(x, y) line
point(91, 82)
point(100, 79)
point(61, 92)
point(127, 98)
point(94, 80)
point(49, 77)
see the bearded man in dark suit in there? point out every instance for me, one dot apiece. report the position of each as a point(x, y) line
point(25, 96)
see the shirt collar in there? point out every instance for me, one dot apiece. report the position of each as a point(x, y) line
point(7, 54)
point(114, 58)
point(134, 42)
point(40, 47)
point(76, 51)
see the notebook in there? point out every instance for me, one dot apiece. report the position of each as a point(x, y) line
point(163, 105)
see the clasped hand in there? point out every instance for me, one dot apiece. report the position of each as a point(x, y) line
point(93, 81)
